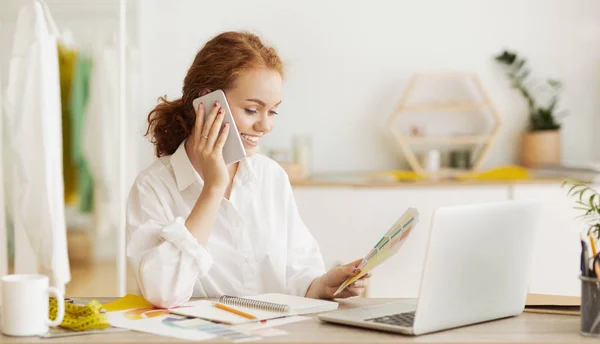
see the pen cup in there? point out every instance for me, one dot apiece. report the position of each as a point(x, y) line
point(590, 306)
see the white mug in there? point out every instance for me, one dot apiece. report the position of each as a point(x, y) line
point(25, 303)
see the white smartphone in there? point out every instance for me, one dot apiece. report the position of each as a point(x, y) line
point(233, 150)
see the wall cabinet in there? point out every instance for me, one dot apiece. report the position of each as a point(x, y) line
point(558, 248)
point(348, 220)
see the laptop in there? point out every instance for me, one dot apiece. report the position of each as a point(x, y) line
point(477, 267)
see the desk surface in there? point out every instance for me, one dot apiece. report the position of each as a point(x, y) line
point(525, 328)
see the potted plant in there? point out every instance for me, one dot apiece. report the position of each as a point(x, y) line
point(588, 201)
point(540, 142)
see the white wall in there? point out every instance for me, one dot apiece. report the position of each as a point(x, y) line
point(348, 63)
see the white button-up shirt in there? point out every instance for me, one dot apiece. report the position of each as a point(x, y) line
point(258, 244)
point(34, 171)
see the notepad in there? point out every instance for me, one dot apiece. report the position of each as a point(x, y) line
point(263, 307)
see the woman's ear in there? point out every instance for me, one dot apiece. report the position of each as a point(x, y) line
point(204, 92)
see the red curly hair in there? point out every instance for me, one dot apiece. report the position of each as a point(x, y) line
point(215, 66)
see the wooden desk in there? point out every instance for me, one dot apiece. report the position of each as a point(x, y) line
point(525, 328)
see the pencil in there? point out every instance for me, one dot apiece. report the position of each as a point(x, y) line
point(235, 311)
point(593, 244)
point(595, 266)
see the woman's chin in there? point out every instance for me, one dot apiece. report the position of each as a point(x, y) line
point(249, 150)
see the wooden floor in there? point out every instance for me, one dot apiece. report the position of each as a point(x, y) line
point(94, 279)
point(97, 279)
point(90, 278)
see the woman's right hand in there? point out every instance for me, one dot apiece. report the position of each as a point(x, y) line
point(207, 144)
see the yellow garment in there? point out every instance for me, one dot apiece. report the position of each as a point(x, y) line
point(66, 61)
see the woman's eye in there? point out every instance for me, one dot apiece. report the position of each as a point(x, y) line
point(273, 113)
point(250, 111)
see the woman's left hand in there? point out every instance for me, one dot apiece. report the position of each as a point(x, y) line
point(324, 286)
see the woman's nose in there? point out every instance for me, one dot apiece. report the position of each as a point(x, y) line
point(263, 124)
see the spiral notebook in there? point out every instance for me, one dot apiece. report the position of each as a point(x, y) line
point(263, 307)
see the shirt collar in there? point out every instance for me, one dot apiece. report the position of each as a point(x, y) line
point(185, 174)
point(247, 173)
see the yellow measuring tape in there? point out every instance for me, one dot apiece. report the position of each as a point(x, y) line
point(79, 317)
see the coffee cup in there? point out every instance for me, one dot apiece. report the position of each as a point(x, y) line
point(25, 303)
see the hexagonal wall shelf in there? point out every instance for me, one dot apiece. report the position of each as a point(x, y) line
point(407, 142)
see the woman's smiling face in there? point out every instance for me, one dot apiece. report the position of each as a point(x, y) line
point(253, 101)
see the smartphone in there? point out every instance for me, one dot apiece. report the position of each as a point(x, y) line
point(233, 150)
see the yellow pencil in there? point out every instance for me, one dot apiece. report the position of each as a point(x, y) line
point(593, 244)
point(235, 311)
point(595, 265)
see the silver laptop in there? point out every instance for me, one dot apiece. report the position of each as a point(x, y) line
point(476, 269)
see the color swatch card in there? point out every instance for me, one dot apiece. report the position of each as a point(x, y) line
point(387, 246)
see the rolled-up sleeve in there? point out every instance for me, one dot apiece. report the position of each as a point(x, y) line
point(304, 259)
point(167, 260)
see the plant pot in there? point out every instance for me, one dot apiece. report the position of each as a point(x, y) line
point(540, 148)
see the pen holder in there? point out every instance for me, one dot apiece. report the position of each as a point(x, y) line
point(590, 306)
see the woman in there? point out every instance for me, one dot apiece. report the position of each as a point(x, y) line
point(198, 227)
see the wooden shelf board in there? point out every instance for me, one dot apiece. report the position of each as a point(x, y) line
point(446, 139)
point(444, 107)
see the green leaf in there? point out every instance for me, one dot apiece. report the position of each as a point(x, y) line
point(520, 63)
point(523, 76)
point(552, 105)
point(571, 189)
point(554, 83)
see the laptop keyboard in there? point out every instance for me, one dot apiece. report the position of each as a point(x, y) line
point(400, 319)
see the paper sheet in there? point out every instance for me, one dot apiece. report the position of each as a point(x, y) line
point(133, 312)
point(387, 246)
point(163, 323)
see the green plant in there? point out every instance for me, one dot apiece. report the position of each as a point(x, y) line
point(541, 117)
point(588, 201)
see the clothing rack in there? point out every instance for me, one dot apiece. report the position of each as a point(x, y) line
point(20, 240)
